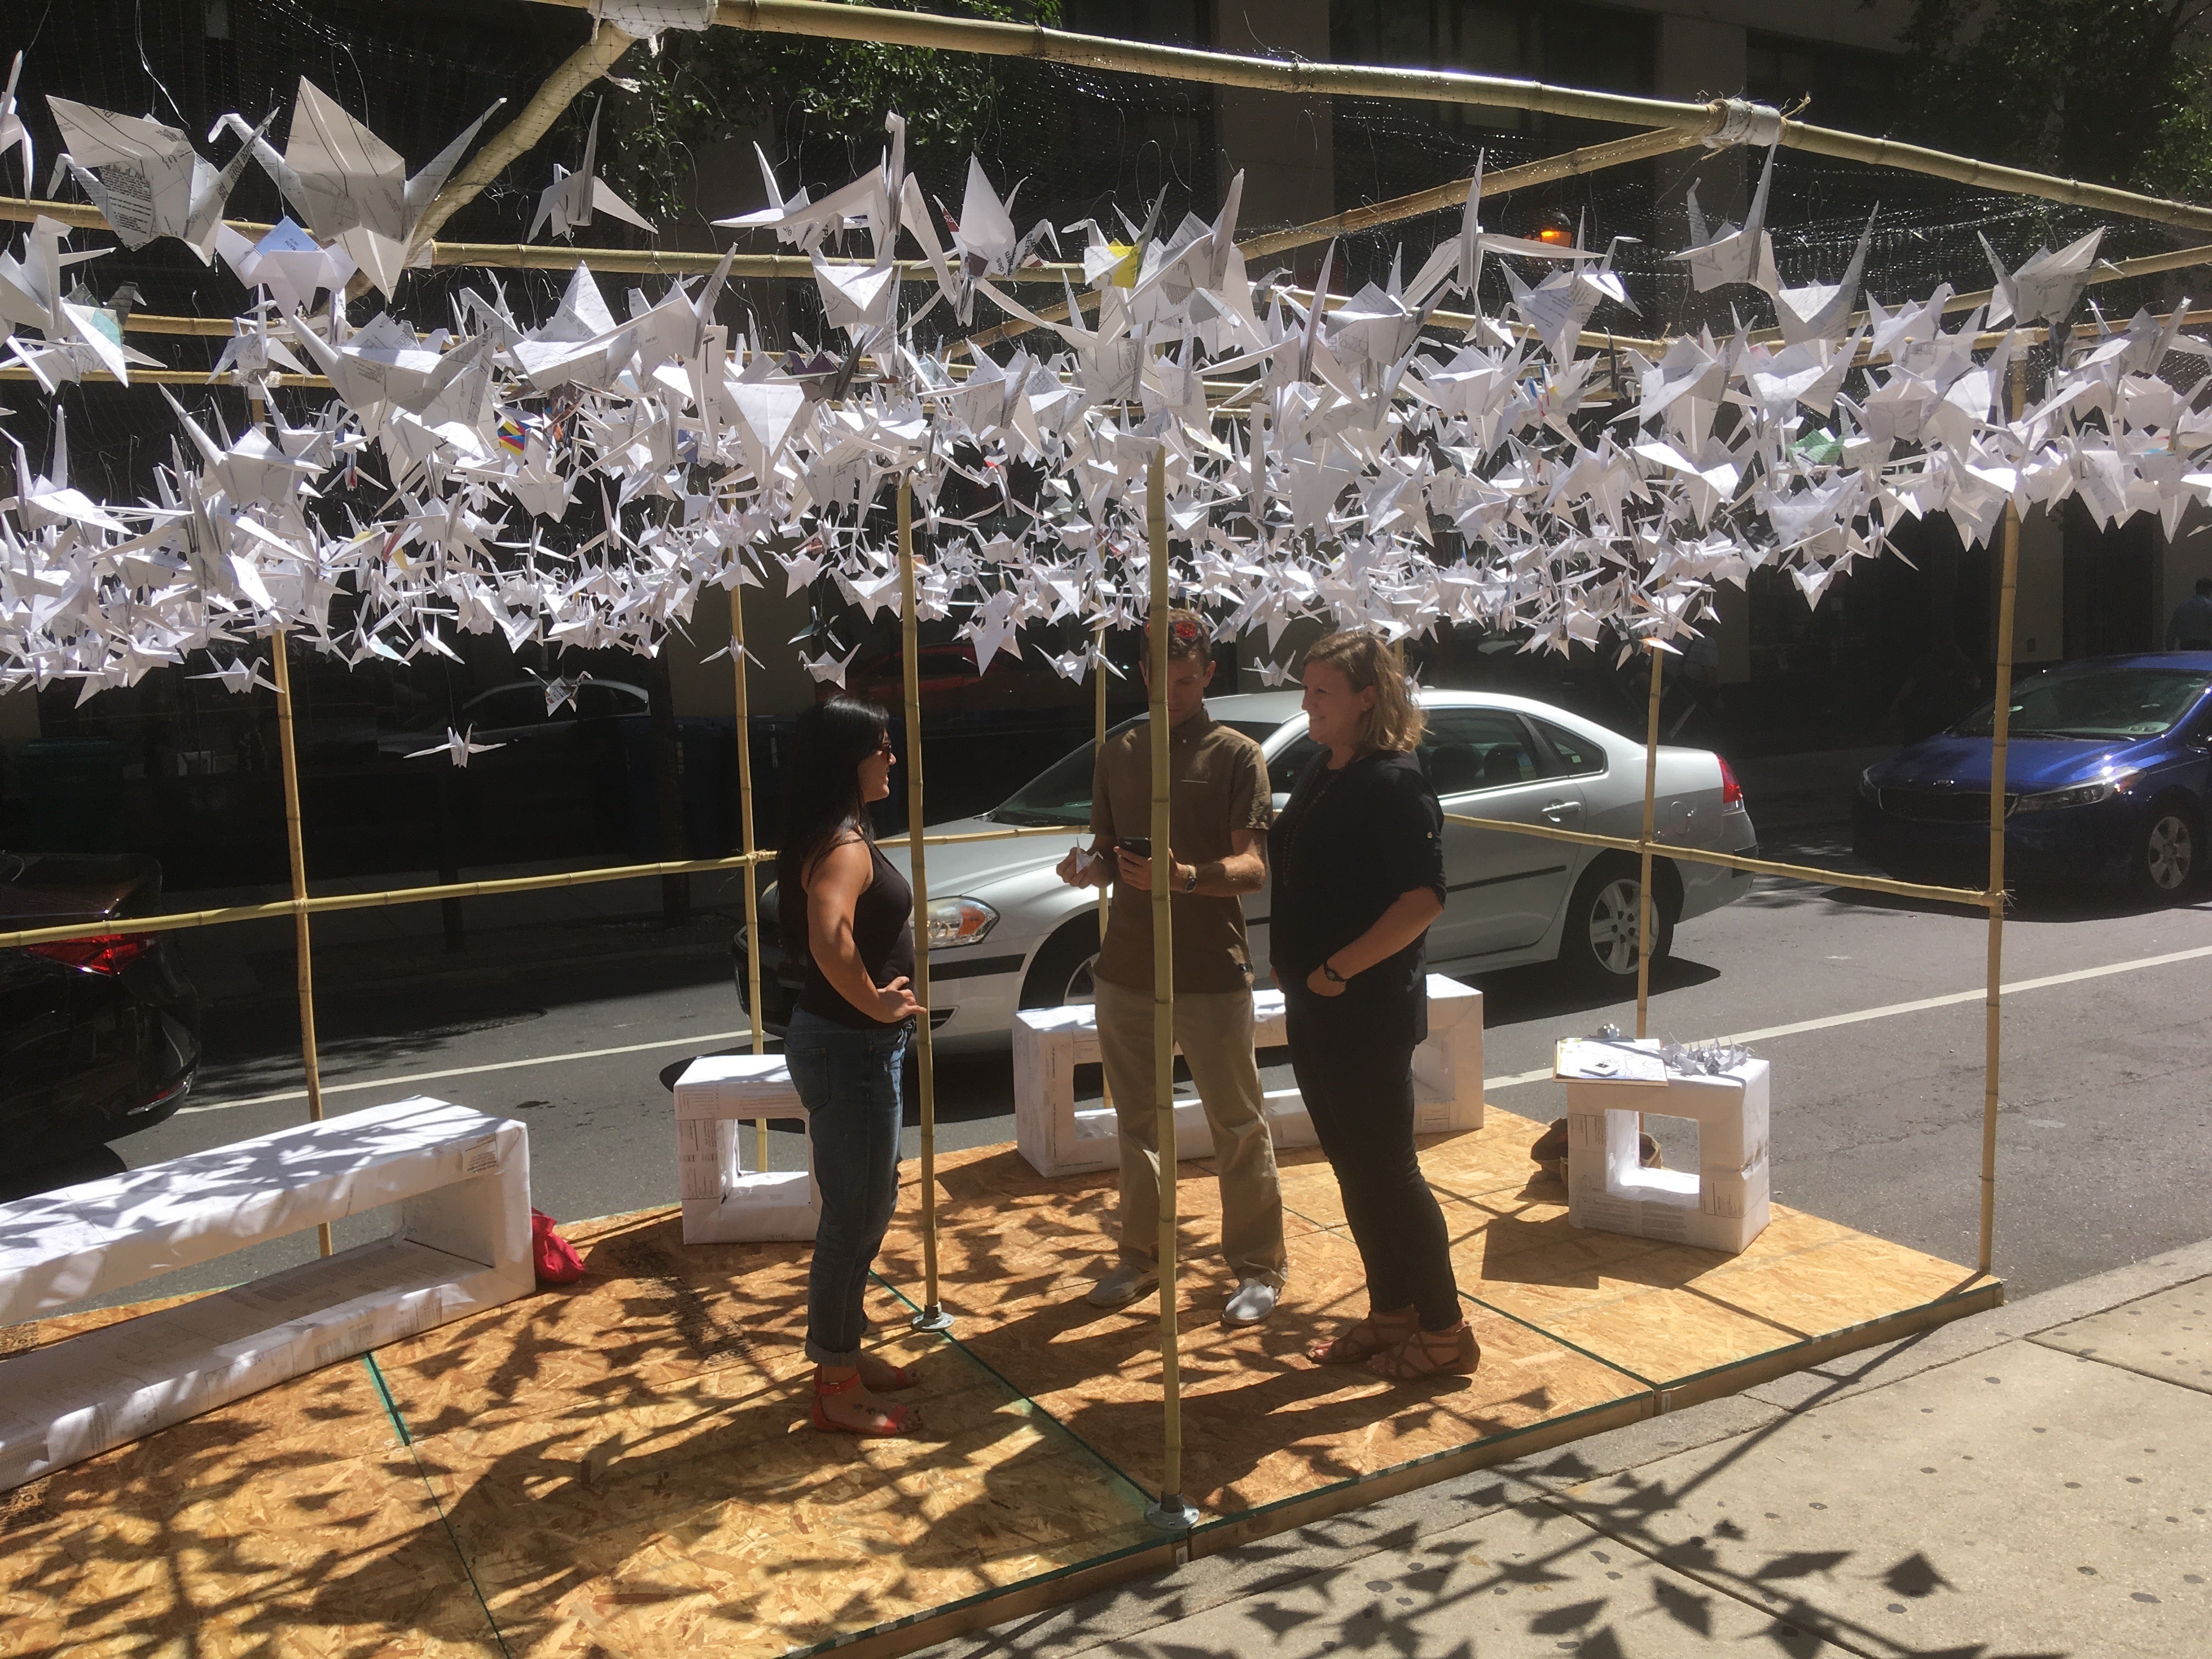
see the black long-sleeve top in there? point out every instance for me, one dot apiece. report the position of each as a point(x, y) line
point(1348, 845)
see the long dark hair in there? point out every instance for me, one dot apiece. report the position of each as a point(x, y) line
point(821, 790)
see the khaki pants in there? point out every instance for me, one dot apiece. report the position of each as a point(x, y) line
point(1214, 1031)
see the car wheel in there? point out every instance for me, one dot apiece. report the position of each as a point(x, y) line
point(2167, 853)
point(1599, 942)
point(1060, 975)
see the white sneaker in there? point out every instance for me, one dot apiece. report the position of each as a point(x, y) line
point(1253, 1301)
point(1122, 1286)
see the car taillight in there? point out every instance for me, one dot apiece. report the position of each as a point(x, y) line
point(1731, 791)
point(105, 953)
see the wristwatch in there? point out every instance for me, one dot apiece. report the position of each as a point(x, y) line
point(1190, 883)
point(1330, 974)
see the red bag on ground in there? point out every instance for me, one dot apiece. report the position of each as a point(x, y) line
point(554, 1257)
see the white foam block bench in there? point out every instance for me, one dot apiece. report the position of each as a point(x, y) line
point(462, 1242)
point(1723, 1205)
point(723, 1202)
point(1056, 1139)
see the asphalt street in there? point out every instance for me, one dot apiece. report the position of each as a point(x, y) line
point(1869, 1009)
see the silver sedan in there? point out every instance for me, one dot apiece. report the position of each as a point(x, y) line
point(1006, 933)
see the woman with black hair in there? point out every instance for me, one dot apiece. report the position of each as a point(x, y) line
point(847, 918)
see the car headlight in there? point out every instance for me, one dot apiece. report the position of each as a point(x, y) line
point(1867, 785)
point(955, 921)
point(2086, 794)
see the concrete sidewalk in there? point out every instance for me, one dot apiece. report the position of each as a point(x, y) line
point(2032, 1481)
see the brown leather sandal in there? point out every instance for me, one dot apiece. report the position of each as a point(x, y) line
point(1370, 1336)
point(1431, 1353)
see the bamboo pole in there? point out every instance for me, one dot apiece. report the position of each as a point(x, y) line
point(598, 54)
point(1171, 1513)
point(745, 829)
point(301, 944)
point(1590, 158)
point(180, 920)
point(1301, 78)
point(2000, 733)
point(1974, 897)
point(1105, 888)
point(933, 1316)
point(1643, 853)
point(532, 256)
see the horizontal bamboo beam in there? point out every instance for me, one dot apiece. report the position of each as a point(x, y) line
point(648, 262)
point(175, 377)
point(1967, 896)
point(1302, 79)
point(1591, 158)
point(177, 920)
point(533, 256)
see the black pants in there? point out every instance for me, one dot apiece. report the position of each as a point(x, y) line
point(1358, 1080)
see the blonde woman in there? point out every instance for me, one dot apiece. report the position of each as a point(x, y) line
point(1356, 862)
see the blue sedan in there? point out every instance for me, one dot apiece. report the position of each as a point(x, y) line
point(2108, 777)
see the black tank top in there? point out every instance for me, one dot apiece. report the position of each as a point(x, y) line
point(882, 933)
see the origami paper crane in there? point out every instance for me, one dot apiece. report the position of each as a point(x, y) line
point(146, 178)
point(567, 204)
point(2046, 287)
point(457, 747)
point(1733, 253)
point(350, 186)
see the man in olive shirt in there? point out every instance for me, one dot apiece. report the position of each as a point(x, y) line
point(1219, 810)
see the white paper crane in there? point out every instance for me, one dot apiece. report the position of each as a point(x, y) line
point(2046, 287)
point(457, 747)
point(1735, 253)
point(350, 186)
point(567, 203)
point(146, 178)
point(241, 674)
point(12, 130)
point(828, 670)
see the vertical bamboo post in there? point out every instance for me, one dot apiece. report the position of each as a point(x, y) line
point(1170, 1513)
point(1999, 732)
point(749, 842)
point(289, 753)
point(1097, 747)
point(1644, 878)
point(933, 1316)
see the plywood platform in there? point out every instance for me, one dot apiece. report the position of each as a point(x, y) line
point(625, 1468)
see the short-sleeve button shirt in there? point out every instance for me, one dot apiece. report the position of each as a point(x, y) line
point(1218, 785)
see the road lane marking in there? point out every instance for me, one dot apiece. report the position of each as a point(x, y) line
point(696, 1037)
point(1828, 1021)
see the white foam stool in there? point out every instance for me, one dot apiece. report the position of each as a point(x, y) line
point(1055, 1139)
point(1723, 1205)
point(461, 1182)
point(724, 1203)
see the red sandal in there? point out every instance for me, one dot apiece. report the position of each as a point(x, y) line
point(897, 1420)
point(902, 1377)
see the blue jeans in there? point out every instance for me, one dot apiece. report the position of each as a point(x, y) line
point(848, 1081)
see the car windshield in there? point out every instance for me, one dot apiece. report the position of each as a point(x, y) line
point(2096, 703)
point(1061, 793)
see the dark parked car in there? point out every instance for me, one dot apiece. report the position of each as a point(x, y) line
point(99, 1038)
point(2108, 775)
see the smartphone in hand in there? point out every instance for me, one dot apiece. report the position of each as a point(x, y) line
point(1137, 847)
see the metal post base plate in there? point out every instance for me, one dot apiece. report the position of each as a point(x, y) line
point(1171, 1514)
point(932, 1318)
